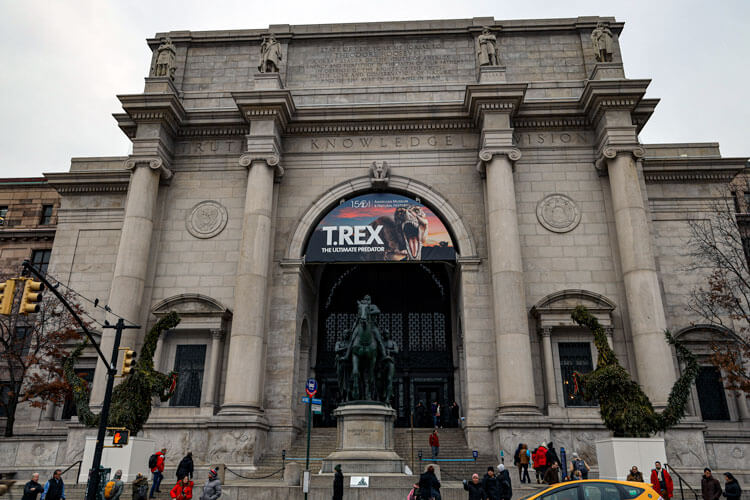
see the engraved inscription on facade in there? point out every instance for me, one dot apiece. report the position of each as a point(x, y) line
point(210, 147)
point(367, 143)
point(553, 139)
point(354, 61)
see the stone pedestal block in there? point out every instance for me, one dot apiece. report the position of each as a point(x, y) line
point(607, 71)
point(492, 74)
point(617, 455)
point(267, 81)
point(131, 459)
point(364, 440)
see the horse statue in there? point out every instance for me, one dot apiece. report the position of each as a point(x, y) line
point(366, 349)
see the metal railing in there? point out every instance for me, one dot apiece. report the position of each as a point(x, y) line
point(78, 474)
point(682, 482)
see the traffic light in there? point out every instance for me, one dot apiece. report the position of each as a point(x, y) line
point(7, 292)
point(120, 438)
point(128, 361)
point(31, 298)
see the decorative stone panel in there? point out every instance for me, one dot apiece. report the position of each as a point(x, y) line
point(558, 213)
point(206, 219)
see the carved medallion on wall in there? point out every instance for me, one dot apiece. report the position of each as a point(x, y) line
point(558, 213)
point(206, 219)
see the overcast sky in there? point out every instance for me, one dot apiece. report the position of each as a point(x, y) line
point(63, 61)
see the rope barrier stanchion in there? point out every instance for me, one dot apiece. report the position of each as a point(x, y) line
point(255, 477)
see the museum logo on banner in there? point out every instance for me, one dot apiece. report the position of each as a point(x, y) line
point(380, 227)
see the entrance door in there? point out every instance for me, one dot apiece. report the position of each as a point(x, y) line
point(427, 394)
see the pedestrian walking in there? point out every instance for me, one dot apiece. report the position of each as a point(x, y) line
point(661, 481)
point(140, 487)
point(156, 464)
point(552, 475)
point(635, 475)
point(54, 489)
point(474, 487)
point(185, 467)
point(540, 462)
point(524, 457)
point(212, 488)
point(113, 489)
point(420, 413)
point(579, 464)
point(552, 455)
point(455, 414)
point(491, 485)
point(338, 483)
point(732, 488)
point(429, 486)
point(183, 490)
point(434, 443)
point(32, 488)
point(506, 488)
point(710, 486)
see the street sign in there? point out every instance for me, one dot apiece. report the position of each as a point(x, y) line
point(314, 400)
point(317, 409)
point(311, 387)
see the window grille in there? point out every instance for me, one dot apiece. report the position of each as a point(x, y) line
point(711, 397)
point(574, 357)
point(189, 363)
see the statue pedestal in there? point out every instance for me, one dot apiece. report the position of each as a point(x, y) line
point(365, 440)
point(492, 74)
point(607, 71)
point(267, 81)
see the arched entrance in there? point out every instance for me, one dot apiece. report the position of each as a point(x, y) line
point(413, 285)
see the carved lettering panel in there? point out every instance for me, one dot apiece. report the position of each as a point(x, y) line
point(354, 62)
point(370, 143)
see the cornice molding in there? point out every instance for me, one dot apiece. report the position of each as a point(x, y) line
point(7, 233)
point(496, 97)
point(111, 181)
point(690, 170)
point(600, 96)
point(153, 108)
point(266, 104)
point(378, 127)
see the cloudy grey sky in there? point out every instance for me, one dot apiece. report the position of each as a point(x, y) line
point(63, 62)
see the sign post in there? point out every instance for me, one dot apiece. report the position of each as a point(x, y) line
point(311, 387)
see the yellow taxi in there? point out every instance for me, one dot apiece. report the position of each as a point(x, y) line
point(596, 489)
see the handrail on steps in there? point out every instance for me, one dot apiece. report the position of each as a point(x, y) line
point(79, 463)
point(682, 481)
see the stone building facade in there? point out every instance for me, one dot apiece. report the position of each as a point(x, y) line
point(531, 161)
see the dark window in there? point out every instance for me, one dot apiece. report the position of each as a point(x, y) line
point(711, 396)
point(574, 357)
point(23, 338)
point(735, 198)
point(188, 363)
point(746, 249)
point(5, 386)
point(46, 215)
point(603, 491)
point(69, 408)
point(40, 259)
point(563, 493)
point(746, 198)
point(3, 214)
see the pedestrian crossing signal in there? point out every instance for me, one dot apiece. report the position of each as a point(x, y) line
point(120, 438)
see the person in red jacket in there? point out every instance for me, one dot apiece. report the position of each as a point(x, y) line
point(158, 471)
point(435, 443)
point(540, 461)
point(661, 481)
point(183, 490)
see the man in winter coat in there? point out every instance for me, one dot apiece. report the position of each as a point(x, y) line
point(710, 486)
point(661, 481)
point(506, 489)
point(434, 443)
point(32, 488)
point(491, 484)
point(475, 489)
point(635, 475)
point(158, 472)
point(140, 487)
point(338, 483)
point(212, 488)
point(55, 487)
point(552, 457)
point(185, 468)
point(552, 476)
point(429, 486)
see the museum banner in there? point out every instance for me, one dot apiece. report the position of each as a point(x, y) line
point(380, 227)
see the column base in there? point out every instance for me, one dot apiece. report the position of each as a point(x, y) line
point(510, 409)
point(244, 414)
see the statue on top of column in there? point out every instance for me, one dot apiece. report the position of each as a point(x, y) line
point(270, 55)
point(166, 56)
point(487, 49)
point(602, 39)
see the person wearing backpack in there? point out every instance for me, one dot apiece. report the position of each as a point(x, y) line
point(580, 465)
point(140, 487)
point(156, 464)
point(113, 488)
point(183, 490)
point(212, 488)
point(524, 457)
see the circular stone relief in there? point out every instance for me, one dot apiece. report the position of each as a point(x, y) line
point(558, 213)
point(206, 219)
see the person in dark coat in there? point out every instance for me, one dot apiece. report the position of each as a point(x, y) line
point(185, 468)
point(338, 483)
point(455, 414)
point(552, 455)
point(420, 414)
point(491, 484)
point(506, 489)
point(32, 489)
point(429, 486)
point(140, 487)
point(732, 488)
point(710, 486)
point(55, 487)
point(552, 476)
point(475, 489)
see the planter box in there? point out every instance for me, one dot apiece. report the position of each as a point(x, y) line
point(617, 455)
point(131, 459)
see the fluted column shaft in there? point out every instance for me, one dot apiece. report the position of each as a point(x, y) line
point(514, 368)
point(209, 398)
point(129, 277)
point(653, 356)
point(247, 339)
point(549, 368)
